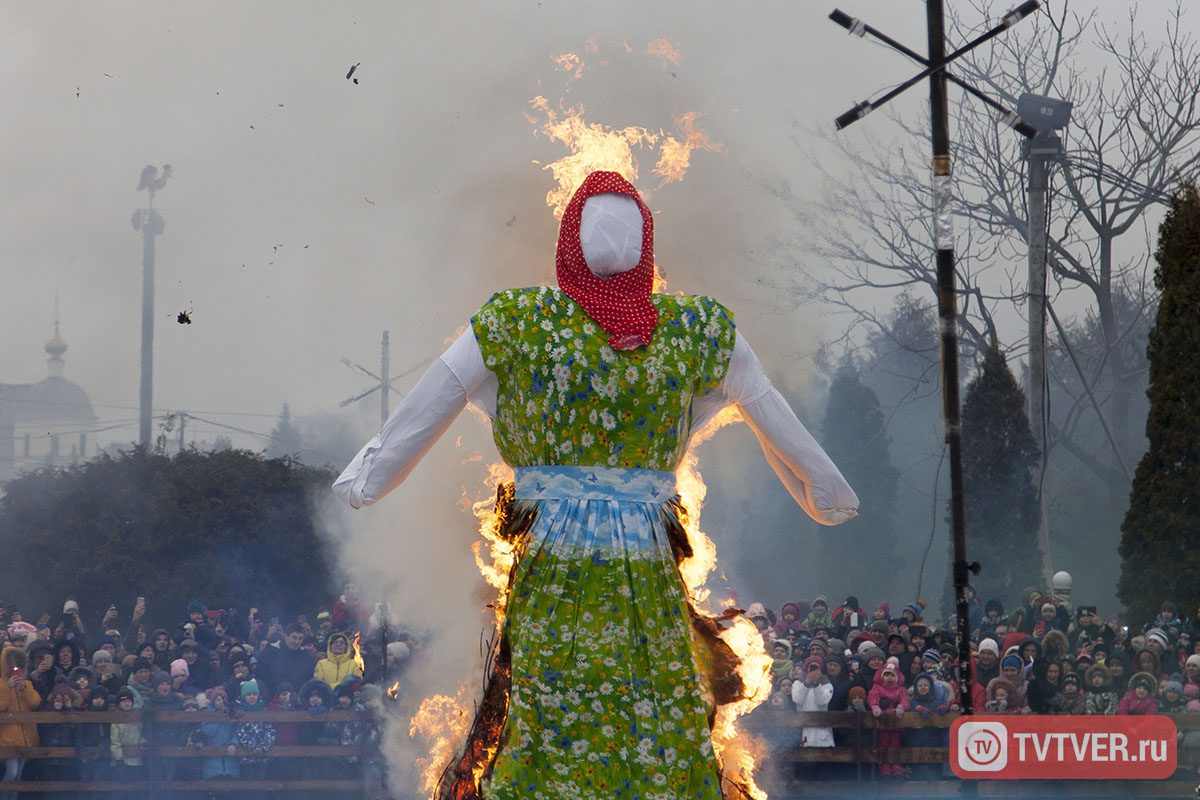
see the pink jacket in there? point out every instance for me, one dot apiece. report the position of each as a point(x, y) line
point(887, 697)
point(1130, 704)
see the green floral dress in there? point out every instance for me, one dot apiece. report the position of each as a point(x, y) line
point(607, 699)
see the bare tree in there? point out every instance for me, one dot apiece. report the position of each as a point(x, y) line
point(1135, 130)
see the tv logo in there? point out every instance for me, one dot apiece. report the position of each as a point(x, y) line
point(982, 746)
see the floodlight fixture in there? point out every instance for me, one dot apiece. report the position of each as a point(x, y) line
point(1044, 113)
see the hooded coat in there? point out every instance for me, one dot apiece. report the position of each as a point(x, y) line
point(336, 668)
point(1104, 699)
point(1132, 704)
point(13, 701)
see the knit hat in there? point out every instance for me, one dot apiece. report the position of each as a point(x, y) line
point(822, 599)
point(1011, 660)
point(990, 646)
point(755, 611)
point(179, 668)
point(1072, 678)
point(248, 687)
point(819, 643)
point(619, 303)
point(1173, 686)
point(284, 686)
point(994, 605)
point(126, 693)
point(932, 654)
point(196, 606)
point(889, 667)
point(159, 678)
point(1193, 706)
point(187, 644)
point(887, 610)
point(141, 663)
point(873, 652)
point(814, 661)
point(1191, 691)
point(1193, 660)
point(879, 626)
point(1158, 635)
point(856, 693)
point(101, 656)
point(70, 606)
point(323, 615)
point(782, 643)
point(212, 693)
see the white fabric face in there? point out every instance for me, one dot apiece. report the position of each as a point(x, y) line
point(610, 232)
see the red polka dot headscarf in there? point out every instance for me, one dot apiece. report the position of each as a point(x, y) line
point(620, 303)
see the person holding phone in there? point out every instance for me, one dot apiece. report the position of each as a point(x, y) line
point(16, 695)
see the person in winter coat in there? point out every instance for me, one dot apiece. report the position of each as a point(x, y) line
point(813, 693)
point(1099, 695)
point(1139, 699)
point(781, 655)
point(1044, 686)
point(1001, 698)
point(126, 742)
point(819, 617)
point(1171, 699)
point(163, 646)
point(218, 734)
point(1119, 669)
point(926, 698)
point(62, 698)
point(16, 695)
point(287, 662)
point(254, 738)
point(1069, 699)
point(888, 696)
point(838, 674)
point(339, 663)
point(93, 741)
point(1191, 670)
point(196, 627)
point(1147, 661)
point(42, 672)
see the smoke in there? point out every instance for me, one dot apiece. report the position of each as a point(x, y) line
point(413, 551)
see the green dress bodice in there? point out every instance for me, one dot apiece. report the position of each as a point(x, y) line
point(567, 398)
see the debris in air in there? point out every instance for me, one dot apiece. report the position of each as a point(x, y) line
point(509, 224)
point(350, 74)
point(369, 200)
point(184, 318)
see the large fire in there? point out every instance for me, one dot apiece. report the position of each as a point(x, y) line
point(444, 721)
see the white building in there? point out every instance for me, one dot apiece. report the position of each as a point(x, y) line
point(45, 423)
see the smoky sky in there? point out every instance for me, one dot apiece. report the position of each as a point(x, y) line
point(307, 213)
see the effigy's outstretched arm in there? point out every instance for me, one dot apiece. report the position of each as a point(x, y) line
point(804, 468)
point(457, 377)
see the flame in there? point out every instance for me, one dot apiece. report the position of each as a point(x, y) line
point(737, 751)
point(666, 51)
point(501, 555)
point(593, 146)
point(674, 156)
point(358, 659)
point(393, 692)
point(442, 721)
point(569, 63)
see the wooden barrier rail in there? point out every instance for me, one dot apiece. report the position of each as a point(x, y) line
point(355, 780)
point(779, 729)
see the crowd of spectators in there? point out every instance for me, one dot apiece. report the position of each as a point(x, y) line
point(211, 659)
point(1041, 657)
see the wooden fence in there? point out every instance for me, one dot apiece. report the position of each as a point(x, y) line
point(849, 769)
point(354, 780)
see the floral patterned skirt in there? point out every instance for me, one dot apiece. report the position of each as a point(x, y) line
point(607, 699)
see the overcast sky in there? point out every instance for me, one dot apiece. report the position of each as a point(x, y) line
point(307, 213)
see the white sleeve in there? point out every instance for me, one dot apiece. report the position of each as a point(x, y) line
point(809, 475)
point(459, 376)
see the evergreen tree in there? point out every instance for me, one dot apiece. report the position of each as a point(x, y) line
point(1000, 501)
point(285, 437)
point(1160, 541)
point(856, 438)
point(231, 527)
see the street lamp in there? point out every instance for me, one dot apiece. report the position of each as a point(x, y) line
point(1047, 115)
point(151, 224)
point(936, 69)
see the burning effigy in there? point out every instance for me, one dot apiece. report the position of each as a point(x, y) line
point(607, 676)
